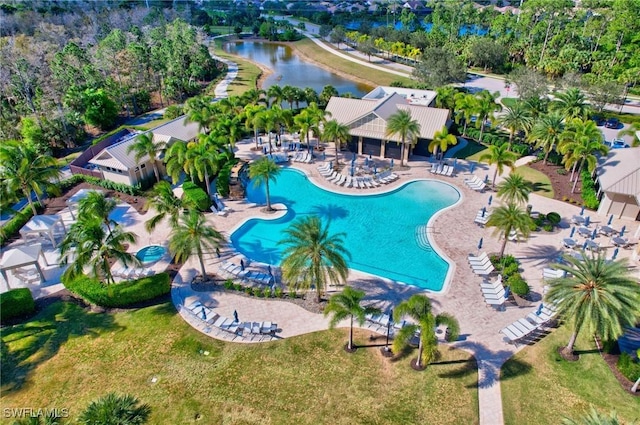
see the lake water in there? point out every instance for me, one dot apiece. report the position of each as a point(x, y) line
point(289, 69)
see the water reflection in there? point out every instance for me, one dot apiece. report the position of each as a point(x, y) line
point(290, 69)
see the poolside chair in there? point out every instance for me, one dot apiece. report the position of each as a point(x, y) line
point(495, 285)
point(482, 256)
point(449, 171)
point(444, 170)
point(498, 297)
point(220, 213)
point(549, 273)
point(348, 182)
point(367, 183)
point(473, 181)
point(484, 271)
point(479, 187)
point(332, 176)
point(494, 293)
point(435, 168)
point(479, 264)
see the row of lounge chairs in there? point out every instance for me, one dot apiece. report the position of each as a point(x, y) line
point(132, 273)
point(482, 217)
point(305, 157)
point(238, 271)
point(230, 328)
point(356, 181)
point(278, 157)
point(382, 322)
point(442, 169)
point(494, 293)
point(475, 183)
point(481, 264)
point(527, 327)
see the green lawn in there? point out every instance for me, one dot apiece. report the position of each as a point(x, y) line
point(248, 72)
point(472, 151)
point(66, 357)
point(541, 387)
point(541, 183)
point(509, 102)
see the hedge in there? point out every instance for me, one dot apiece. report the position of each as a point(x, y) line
point(222, 181)
point(16, 303)
point(107, 184)
point(589, 194)
point(194, 195)
point(629, 367)
point(120, 294)
point(15, 223)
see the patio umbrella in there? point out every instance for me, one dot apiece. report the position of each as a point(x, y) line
point(235, 316)
point(622, 231)
point(331, 165)
point(242, 265)
point(269, 269)
point(369, 154)
point(615, 253)
point(391, 162)
point(594, 233)
point(204, 314)
point(539, 310)
point(587, 221)
point(480, 243)
point(486, 178)
point(573, 231)
point(484, 211)
point(353, 162)
point(354, 157)
point(582, 210)
point(490, 199)
point(610, 220)
point(455, 162)
point(324, 155)
point(375, 170)
point(584, 245)
point(472, 167)
point(352, 171)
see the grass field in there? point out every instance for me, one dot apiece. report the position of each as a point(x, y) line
point(376, 78)
point(65, 357)
point(541, 183)
point(541, 387)
point(472, 151)
point(248, 73)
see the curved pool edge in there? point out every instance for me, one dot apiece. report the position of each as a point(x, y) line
point(282, 211)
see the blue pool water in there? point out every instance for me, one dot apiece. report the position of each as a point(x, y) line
point(150, 253)
point(385, 234)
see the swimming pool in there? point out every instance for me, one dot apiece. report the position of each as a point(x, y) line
point(386, 234)
point(150, 253)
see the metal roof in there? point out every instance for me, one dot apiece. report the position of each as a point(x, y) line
point(619, 172)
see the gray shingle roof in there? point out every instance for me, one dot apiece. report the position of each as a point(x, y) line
point(619, 172)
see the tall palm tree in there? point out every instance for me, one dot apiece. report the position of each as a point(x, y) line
point(254, 97)
point(165, 204)
point(145, 146)
point(516, 118)
point(199, 110)
point(403, 125)
point(289, 94)
point(571, 104)
point(274, 93)
point(228, 129)
point(113, 409)
point(633, 130)
point(581, 140)
point(486, 105)
point(310, 95)
point(597, 295)
point(418, 307)
point(445, 97)
point(312, 257)
point(338, 134)
point(515, 189)
point(546, 133)
point(327, 93)
point(96, 204)
point(96, 248)
point(537, 106)
point(231, 106)
point(501, 156)
point(442, 140)
point(465, 108)
point(193, 234)
point(204, 158)
point(175, 160)
point(308, 120)
point(508, 218)
point(23, 170)
point(264, 170)
point(253, 119)
point(348, 304)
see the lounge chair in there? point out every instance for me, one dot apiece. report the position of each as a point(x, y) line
point(494, 293)
point(332, 176)
point(367, 183)
point(548, 273)
point(484, 271)
point(436, 168)
point(480, 257)
point(348, 182)
point(479, 264)
point(220, 213)
point(450, 171)
point(495, 285)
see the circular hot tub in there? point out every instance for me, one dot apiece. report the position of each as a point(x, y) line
point(150, 253)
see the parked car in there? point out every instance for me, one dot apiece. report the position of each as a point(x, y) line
point(599, 120)
point(619, 143)
point(612, 123)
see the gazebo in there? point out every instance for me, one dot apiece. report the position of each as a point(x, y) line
point(42, 224)
point(22, 256)
point(73, 201)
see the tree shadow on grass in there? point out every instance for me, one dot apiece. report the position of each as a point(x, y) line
point(490, 364)
point(541, 187)
point(27, 345)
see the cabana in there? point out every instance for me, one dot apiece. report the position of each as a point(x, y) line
point(43, 224)
point(74, 200)
point(22, 256)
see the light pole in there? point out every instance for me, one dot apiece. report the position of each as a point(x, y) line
point(385, 350)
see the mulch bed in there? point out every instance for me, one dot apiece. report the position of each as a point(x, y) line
point(57, 204)
point(561, 184)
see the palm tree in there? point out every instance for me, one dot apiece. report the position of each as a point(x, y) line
point(571, 104)
point(445, 97)
point(96, 204)
point(310, 95)
point(465, 108)
point(309, 120)
point(96, 248)
point(289, 94)
point(508, 218)
point(165, 203)
point(193, 235)
point(338, 134)
point(228, 129)
point(581, 141)
point(264, 170)
point(145, 146)
point(595, 418)
point(547, 133)
point(312, 257)
point(199, 110)
point(442, 140)
point(633, 130)
point(597, 295)
point(254, 97)
point(516, 118)
point(501, 156)
point(175, 160)
point(486, 105)
point(407, 128)
point(347, 304)
point(327, 93)
point(515, 189)
point(23, 170)
point(274, 93)
point(253, 119)
point(113, 409)
point(418, 307)
point(203, 159)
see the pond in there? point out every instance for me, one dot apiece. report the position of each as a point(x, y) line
point(289, 69)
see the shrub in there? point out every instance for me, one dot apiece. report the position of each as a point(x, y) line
point(629, 367)
point(554, 218)
point(257, 292)
point(518, 285)
point(16, 303)
point(292, 294)
point(228, 284)
point(548, 227)
point(196, 196)
point(120, 294)
point(561, 171)
point(172, 112)
point(248, 290)
point(266, 292)
point(237, 287)
point(13, 225)
point(539, 220)
point(509, 270)
point(279, 293)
